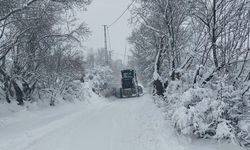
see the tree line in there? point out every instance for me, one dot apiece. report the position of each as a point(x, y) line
point(195, 46)
point(39, 47)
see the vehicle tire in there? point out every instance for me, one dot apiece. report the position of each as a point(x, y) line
point(137, 91)
point(140, 90)
point(117, 93)
point(121, 93)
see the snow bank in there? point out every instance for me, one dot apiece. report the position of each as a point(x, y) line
point(61, 91)
point(73, 93)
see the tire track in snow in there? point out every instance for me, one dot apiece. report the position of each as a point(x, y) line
point(32, 136)
point(65, 133)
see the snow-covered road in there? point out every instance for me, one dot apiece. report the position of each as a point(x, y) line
point(124, 124)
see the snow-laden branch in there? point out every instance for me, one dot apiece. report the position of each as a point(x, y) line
point(3, 29)
point(13, 43)
point(147, 25)
point(17, 10)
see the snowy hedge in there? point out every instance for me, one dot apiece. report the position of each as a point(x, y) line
point(211, 111)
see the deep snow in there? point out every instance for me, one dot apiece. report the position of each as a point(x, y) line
point(123, 124)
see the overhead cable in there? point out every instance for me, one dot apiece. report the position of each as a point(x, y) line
point(122, 13)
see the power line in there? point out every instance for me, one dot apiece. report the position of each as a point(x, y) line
point(122, 13)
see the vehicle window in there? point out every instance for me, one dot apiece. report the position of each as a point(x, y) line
point(127, 75)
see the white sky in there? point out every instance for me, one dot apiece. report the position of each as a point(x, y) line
point(102, 12)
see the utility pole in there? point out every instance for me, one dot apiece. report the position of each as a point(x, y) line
point(106, 45)
point(110, 58)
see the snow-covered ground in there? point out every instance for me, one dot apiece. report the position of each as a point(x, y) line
point(124, 124)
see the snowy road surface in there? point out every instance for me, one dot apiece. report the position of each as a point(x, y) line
point(124, 124)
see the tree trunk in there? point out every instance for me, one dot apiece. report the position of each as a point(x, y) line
point(159, 88)
point(18, 92)
point(5, 80)
point(214, 38)
point(158, 85)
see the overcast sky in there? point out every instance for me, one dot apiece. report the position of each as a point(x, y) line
point(102, 12)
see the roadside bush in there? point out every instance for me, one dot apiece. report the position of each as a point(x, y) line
point(101, 80)
point(209, 111)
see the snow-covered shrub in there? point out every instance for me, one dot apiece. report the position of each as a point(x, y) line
point(205, 111)
point(100, 79)
point(201, 115)
point(70, 92)
point(77, 91)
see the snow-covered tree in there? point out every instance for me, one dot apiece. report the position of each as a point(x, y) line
point(36, 43)
point(198, 52)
